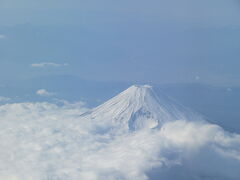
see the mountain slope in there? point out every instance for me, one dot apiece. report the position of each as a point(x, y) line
point(136, 108)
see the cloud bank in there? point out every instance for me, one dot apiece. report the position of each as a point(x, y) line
point(47, 64)
point(43, 141)
point(44, 92)
point(4, 99)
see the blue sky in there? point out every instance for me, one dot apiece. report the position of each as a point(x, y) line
point(167, 41)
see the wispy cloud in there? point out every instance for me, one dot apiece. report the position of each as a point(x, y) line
point(2, 36)
point(4, 99)
point(48, 64)
point(44, 92)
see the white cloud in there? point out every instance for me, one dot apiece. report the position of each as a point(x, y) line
point(2, 36)
point(4, 99)
point(46, 141)
point(44, 92)
point(197, 78)
point(48, 64)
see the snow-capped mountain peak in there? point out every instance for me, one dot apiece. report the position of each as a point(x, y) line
point(136, 108)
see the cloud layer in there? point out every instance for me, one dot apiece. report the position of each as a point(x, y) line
point(43, 141)
point(44, 92)
point(4, 99)
point(47, 64)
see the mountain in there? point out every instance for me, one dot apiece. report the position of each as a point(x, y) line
point(218, 103)
point(136, 108)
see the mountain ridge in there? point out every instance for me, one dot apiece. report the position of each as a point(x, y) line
point(138, 107)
